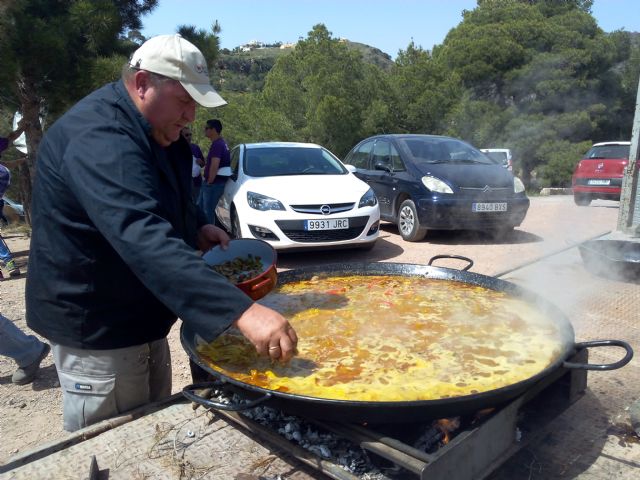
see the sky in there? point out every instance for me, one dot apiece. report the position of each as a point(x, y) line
point(384, 24)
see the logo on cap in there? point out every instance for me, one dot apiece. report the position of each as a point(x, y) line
point(200, 68)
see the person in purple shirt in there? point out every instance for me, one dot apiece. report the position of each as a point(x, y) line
point(215, 173)
point(198, 163)
point(5, 179)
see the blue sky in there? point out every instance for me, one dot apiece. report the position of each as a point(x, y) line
point(384, 24)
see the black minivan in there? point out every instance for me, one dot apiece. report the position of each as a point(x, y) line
point(442, 183)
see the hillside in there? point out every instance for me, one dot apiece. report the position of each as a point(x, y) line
point(244, 69)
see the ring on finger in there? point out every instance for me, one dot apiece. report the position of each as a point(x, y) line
point(271, 349)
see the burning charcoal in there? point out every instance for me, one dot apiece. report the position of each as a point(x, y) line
point(429, 441)
point(326, 445)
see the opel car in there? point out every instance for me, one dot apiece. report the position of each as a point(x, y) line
point(297, 196)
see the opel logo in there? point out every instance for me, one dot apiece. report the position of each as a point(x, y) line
point(486, 189)
point(325, 209)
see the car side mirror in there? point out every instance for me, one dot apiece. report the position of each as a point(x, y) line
point(382, 165)
point(351, 168)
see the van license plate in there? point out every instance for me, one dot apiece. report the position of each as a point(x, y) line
point(597, 181)
point(489, 207)
point(332, 224)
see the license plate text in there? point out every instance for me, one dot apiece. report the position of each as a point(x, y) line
point(331, 224)
point(489, 207)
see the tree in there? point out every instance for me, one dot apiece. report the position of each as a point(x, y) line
point(207, 42)
point(247, 119)
point(548, 67)
point(51, 53)
point(325, 91)
point(424, 91)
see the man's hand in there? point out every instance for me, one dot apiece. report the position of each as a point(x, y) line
point(209, 236)
point(269, 332)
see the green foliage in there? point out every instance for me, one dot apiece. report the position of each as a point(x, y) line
point(207, 42)
point(48, 49)
point(325, 90)
point(425, 91)
point(561, 159)
point(478, 122)
point(245, 119)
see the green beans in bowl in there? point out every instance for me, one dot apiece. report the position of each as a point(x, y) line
point(250, 264)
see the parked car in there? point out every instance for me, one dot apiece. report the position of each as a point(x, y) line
point(432, 182)
point(297, 195)
point(12, 211)
point(501, 155)
point(599, 174)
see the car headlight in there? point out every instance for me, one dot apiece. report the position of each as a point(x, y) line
point(262, 202)
point(518, 186)
point(369, 199)
point(436, 185)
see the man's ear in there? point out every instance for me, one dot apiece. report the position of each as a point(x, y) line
point(142, 83)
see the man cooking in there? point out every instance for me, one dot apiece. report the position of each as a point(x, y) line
point(113, 258)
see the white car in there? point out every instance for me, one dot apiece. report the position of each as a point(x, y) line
point(500, 155)
point(297, 195)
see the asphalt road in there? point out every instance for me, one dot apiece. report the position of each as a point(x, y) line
point(553, 223)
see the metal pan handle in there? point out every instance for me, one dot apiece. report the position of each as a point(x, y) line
point(607, 366)
point(457, 257)
point(189, 393)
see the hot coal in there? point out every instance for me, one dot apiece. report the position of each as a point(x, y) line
point(323, 444)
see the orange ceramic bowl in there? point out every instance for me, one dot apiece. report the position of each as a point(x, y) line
point(259, 285)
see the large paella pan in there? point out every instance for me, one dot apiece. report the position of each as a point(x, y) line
point(389, 342)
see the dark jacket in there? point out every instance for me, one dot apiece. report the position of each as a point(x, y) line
point(113, 261)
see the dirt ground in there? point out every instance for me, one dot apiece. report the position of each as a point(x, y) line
point(31, 415)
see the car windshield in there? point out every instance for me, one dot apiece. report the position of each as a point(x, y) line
point(277, 161)
point(609, 151)
point(443, 150)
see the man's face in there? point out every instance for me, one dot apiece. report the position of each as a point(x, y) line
point(167, 107)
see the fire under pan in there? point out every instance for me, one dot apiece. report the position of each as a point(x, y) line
point(475, 450)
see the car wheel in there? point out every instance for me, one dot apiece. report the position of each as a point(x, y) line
point(236, 231)
point(409, 224)
point(582, 200)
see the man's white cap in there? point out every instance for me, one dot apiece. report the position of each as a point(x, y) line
point(174, 57)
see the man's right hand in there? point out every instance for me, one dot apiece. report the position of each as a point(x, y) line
point(269, 332)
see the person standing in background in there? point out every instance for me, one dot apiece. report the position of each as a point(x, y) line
point(198, 163)
point(216, 170)
point(5, 180)
point(26, 350)
point(5, 175)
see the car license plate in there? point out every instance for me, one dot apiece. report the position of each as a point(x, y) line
point(598, 181)
point(489, 207)
point(332, 224)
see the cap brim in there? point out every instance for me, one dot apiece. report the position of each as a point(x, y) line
point(204, 94)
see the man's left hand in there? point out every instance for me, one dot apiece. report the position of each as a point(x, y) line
point(209, 236)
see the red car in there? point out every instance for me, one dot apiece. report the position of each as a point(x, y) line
point(599, 174)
